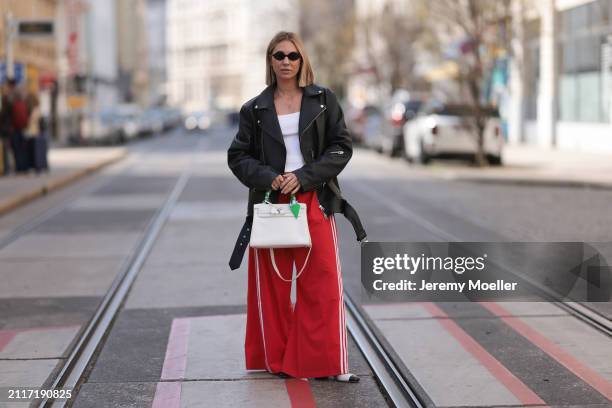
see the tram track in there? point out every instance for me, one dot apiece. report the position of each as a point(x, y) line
point(71, 374)
point(74, 369)
point(400, 389)
point(578, 310)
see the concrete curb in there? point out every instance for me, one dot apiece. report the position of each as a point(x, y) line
point(52, 185)
point(529, 182)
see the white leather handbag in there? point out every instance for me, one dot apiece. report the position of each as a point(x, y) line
point(277, 226)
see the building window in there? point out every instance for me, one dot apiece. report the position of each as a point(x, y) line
point(187, 91)
point(218, 54)
point(584, 32)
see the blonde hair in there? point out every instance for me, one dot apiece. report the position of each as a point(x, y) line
point(305, 73)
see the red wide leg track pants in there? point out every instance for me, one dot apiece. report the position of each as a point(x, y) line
point(309, 341)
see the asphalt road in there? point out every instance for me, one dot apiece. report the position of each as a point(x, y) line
point(56, 272)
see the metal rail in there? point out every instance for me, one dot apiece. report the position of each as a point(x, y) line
point(72, 371)
point(576, 309)
point(398, 388)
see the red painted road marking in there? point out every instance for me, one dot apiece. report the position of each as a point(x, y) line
point(6, 336)
point(175, 361)
point(300, 393)
point(499, 371)
point(167, 395)
point(587, 374)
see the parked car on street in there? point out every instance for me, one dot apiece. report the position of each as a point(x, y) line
point(448, 130)
point(99, 128)
point(364, 125)
point(172, 117)
point(233, 118)
point(199, 120)
point(128, 122)
point(124, 122)
point(397, 113)
point(151, 121)
point(353, 118)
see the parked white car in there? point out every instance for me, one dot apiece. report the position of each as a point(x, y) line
point(99, 128)
point(150, 122)
point(199, 120)
point(129, 125)
point(448, 130)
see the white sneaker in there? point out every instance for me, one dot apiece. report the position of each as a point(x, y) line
point(352, 378)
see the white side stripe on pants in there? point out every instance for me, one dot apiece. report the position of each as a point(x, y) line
point(341, 290)
point(341, 318)
point(341, 300)
point(263, 335)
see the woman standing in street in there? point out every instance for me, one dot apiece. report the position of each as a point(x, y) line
point(292, 139)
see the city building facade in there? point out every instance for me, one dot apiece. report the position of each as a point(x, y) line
point(563, 75)
point(216, 49)
point(34, 57)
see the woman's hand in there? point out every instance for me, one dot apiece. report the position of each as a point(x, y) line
point(276, 183)
point(290, 184)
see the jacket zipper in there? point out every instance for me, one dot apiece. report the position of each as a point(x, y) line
point(323, 211)
point(312, 121)
point(320, 205)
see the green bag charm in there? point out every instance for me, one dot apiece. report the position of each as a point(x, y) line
point(294, 206)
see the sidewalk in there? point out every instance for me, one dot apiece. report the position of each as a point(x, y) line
point(66, 165)
point(524, 164)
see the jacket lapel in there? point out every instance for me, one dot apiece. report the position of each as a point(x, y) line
point(309, 109)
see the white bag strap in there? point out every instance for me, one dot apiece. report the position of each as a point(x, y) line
point(276, 267)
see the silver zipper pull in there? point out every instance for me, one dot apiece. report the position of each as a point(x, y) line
point(323, 211)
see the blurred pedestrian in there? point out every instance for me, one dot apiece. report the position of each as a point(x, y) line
point(6, 125)
point(19, 122)
point(292, 140)
point(36, 142)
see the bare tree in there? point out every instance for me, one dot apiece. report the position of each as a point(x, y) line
point(327, 28)
point(484, 27)
point(401, 32)
point(392, 39)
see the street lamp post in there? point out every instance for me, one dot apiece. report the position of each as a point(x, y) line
point(9, 23)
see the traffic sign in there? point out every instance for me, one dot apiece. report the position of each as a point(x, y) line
point(35, 28)
point(18, 69)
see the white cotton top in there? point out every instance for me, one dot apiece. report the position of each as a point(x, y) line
point(289, 125)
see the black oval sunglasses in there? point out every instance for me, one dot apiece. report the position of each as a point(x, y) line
point(293, 56)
